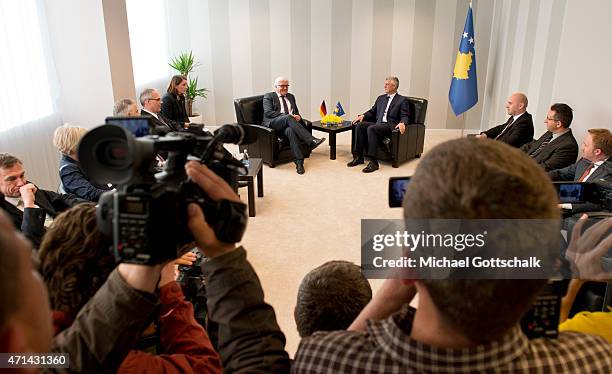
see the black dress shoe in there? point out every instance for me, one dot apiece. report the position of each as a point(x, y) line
point(372, 166)
point(315, 143)
point(356, 161)
point(300, 168)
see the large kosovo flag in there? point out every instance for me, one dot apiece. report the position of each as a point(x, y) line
point(463, 93)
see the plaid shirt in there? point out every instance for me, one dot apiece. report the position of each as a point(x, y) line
point(386, 348)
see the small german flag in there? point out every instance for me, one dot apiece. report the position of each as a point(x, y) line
point(323, 109)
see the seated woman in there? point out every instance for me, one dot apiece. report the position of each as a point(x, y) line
point(126, 108)
point(66, 139)
point(173, 102)
point(75, 261)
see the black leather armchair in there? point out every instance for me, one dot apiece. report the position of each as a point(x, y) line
point(399, 148)
point(271, 147)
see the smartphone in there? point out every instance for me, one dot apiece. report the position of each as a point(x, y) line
point(570, 192)
point(397, 189)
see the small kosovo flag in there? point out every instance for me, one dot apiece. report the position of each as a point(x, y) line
point(339, 111)
point(463, 93)
point(323, 109)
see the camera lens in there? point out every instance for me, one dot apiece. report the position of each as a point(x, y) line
point(113, 154)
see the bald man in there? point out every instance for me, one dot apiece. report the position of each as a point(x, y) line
point(518, 129)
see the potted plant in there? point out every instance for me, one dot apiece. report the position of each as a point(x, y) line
point(184, 63)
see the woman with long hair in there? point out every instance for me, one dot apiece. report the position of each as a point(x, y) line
point(173, 102)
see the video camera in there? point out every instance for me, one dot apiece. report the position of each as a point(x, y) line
point(599, 193)
point(147, 215)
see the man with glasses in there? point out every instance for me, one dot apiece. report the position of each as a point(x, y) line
point(557, 147)
point(151, 106)
point(282, 114)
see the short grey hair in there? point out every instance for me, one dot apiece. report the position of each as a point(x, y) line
point(122, 107)
point(279, 79)
point(395, 80)
point(146, 95)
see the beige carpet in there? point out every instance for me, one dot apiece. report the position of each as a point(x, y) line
point(305, 220)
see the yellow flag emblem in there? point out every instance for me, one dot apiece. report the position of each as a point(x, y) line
point(462, 65)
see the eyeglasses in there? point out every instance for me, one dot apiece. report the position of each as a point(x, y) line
point(158, 99)
point(551, 119)
point(283, 85)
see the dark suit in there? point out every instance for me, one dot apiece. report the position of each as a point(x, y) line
point(285, 124)
point(161, 125)
point(372, 129)
point(519, 133)
point(173, 108)
point(31, 221)
point(557, 154)
point(575, 171)
point(74, 181)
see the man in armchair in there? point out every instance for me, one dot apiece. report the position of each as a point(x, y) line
point(390, 111)
point(282, 114)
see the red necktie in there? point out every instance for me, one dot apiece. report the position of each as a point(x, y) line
point(586, 172)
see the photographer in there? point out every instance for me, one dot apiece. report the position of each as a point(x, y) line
point(121, 309)
point(467, 325)
point(75, 262)
point(249, 338)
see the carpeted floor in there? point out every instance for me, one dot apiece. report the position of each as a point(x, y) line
point(306, 220)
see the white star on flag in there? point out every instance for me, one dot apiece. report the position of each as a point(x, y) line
point(465, 34)
point(472, 40)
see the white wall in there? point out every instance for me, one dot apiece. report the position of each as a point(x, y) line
point(583, 78)
point(78, 42)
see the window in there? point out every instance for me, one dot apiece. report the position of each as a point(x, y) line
point(148, 40)
point(26, 91)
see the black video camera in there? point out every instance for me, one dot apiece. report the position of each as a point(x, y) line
point(147, 215)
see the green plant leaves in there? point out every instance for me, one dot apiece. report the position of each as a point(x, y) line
point(184, 63)
point(193, 91)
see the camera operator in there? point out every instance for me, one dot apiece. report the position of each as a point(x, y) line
point(249, 338)
point(467, 325)
point(595, 165)
point(121, 309)
point(75, 262)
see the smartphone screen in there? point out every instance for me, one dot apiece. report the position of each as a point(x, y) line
point(139, 126)
point(570, 192)
point(397, 189)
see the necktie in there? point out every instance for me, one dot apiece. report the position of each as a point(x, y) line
point(510, 122)
point(586, 172)
point(539, 149)
point(285, 107)
point(387, 108)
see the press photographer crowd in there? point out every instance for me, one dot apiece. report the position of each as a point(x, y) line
point(136, 266)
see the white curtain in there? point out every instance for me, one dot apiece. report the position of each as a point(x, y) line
point(147, 22)
point(29, 95)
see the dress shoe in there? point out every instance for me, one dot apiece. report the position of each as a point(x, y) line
point(372, 166)
point(356, 161)
point(299, 168)
point(315, 143)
